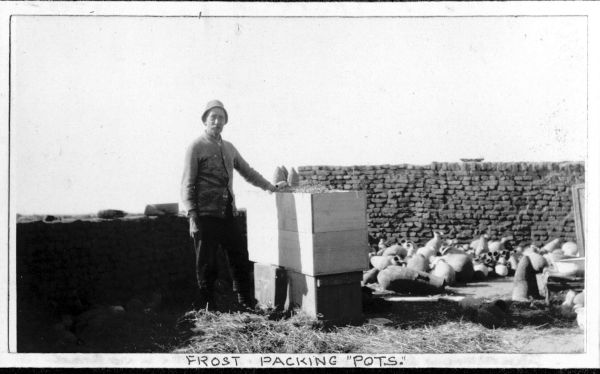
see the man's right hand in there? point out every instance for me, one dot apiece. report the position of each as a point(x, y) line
point(194, 226)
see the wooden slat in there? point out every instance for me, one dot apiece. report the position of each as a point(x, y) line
point(340, 252)
point(339, 211)
point(305, 212)
point(313, 254)
point(578, 193)
point(341, 303)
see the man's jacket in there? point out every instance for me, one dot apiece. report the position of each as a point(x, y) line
point(207, 179)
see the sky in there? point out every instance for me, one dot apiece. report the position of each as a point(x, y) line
point(103, 108)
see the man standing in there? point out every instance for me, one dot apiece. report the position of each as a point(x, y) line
point(207, 196)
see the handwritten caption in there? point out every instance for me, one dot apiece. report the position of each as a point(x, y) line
point(282, 360)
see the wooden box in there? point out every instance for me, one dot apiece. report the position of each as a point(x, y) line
point(270, 286)
point(335, 298)
point(311, 233)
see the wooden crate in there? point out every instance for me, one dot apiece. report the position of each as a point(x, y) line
point(311, 233)
point(335, 298)
point(270, 286)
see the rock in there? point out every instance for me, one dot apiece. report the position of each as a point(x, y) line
point(155, 300)
point(491, 315)
point(134, 306)
point(67, 320)
point(88, 315)
point(67, 338)
point(58, 326)
point(116, 309)
point(49, 218)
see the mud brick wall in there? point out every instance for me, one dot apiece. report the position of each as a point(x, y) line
point(96, 260)
point(531, 201)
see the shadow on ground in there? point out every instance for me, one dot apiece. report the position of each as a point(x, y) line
point(42, 328)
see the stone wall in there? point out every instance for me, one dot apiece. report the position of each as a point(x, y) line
point(74, 261)
point(531, 201)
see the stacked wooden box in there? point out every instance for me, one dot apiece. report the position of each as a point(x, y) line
point(309, 251)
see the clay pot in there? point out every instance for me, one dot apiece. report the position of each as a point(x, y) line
point(479, 267)
point(569, 297)
point(436, 242)
point(481, 246)
point(411, 249)
point(554, 256)
point(395, 250)
point(497, 245)
point(293, 178)
point(551, 245)
point(444, 271)
point(284, 170)
point(579, 299)
point(451, 249)
point(501, 270)
point(531, 249)
point(487, 259)
point(513, 262)
point(406, 280)
point(426, 252)
point(381, 262)
point(538, 262)
point(278, 176)
point(525, 282)
point(370, 276)
point(580, 317)
point(462, 265)
point(418, 262)
point(570, 248)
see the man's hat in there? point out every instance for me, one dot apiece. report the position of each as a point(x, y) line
point(214, 104)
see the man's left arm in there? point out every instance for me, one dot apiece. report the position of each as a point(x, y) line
point(252, 176)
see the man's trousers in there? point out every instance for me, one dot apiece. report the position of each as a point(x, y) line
point(213, 232)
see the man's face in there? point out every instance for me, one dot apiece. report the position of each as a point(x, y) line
point(215, 120)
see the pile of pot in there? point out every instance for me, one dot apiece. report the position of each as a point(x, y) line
point(405, 267)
